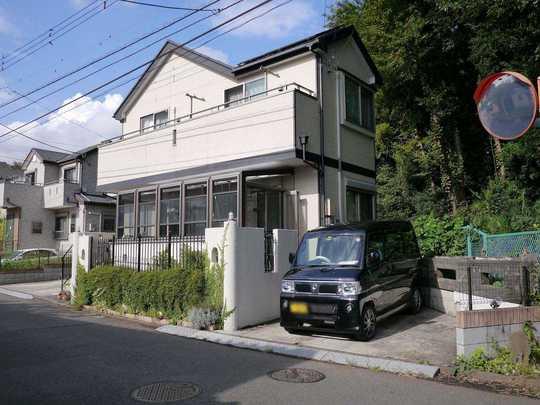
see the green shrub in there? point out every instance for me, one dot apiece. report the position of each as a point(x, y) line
point(440, 235)
point(169, 293)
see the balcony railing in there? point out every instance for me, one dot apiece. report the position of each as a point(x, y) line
point(214, 109)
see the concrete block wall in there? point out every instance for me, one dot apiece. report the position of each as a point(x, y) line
point(483, 328)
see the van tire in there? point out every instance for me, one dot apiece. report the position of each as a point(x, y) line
point(368, 324)
point(416, 301)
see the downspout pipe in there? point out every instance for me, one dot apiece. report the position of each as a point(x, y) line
point(322, 181)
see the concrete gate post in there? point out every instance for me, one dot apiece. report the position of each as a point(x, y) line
point(74, 263)
point(230, 248)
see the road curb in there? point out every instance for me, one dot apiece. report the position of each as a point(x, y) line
point(355, 360)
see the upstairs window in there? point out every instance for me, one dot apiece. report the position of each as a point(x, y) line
point(255, 87)
point(248, 89)
point(195, 209)
point(359, 106)
point(30, 178)
point(154, 121)
point(234, 94)
point(70, 175)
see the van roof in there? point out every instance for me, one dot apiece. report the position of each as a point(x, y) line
point(366, 226)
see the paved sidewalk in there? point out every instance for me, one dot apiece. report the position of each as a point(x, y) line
point(426, 338)
point(41, 289)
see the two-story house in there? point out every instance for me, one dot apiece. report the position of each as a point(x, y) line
point(282, 140)
point(56, 197)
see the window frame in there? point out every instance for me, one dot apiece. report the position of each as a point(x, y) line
point(219, 222)
point(61, 234)
point(361, 87)
point(244, 96)
point(154, 124)
point(138, 225)
point(167, 224)
point(185, 198)
point(134, 222)
point(70, 169)
point(358, 206)
point(37, 227)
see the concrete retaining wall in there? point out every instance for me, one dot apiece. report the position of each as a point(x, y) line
point(31, 276)
point(483, 328)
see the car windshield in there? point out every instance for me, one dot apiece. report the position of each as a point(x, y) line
point(14, 254)
point(330, 248)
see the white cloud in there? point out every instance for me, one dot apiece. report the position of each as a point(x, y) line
point(72, 129)
point(213, 53)
point(278, 23)
point(6, 26)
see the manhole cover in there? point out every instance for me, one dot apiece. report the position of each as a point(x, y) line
point(165, 392)
point(297, 375)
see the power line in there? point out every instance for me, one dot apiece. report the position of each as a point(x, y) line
point(48, 41)
point(48, 31)
point(137, 68)
point(167, 7)
point(198, 46)
point(56, 80)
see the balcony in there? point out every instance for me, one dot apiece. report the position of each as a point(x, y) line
point(263, 126)
point(60, 194)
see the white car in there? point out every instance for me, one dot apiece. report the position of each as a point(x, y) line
point(26, 254)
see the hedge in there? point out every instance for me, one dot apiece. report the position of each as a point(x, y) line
point(170, 293)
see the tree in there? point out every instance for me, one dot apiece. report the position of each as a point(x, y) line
point(432, 153)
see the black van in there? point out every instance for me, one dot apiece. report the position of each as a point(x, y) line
point(345, 277)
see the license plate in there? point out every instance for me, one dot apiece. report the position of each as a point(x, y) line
point(300, 308)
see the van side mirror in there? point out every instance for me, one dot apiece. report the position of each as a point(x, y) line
point(291, 258)
point(373, 258)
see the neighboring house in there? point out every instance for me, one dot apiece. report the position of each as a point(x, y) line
point(56, 197)
point(283, 140)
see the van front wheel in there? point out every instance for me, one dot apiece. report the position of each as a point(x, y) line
point(368, 324)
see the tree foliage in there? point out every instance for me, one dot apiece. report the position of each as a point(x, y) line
point(433, 157)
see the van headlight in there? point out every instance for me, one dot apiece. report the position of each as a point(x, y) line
point(352, 288)
point(287, 286)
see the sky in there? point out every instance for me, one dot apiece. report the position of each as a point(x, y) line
point(98, 30)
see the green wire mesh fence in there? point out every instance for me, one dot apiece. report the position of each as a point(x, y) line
point(501, 245)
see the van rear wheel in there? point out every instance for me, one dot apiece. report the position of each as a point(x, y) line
point(416, 301)
point(368, 324)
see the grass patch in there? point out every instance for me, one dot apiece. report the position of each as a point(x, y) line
point(29, 264)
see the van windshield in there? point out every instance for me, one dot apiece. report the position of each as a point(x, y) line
point(330, 249)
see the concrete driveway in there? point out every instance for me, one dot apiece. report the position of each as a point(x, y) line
point(428, 338)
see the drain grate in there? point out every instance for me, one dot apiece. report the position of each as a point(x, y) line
point(297, 375)
point(165, 392)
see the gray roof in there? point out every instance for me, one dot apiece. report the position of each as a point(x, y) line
point(319, 40)
point(75, 155)
point(49, 155)
point(95, 198)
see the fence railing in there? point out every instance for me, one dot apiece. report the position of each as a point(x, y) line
point(66, 268)
point(480, 243)
point(268, 252)
point(149, 253)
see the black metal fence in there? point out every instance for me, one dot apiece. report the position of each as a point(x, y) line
point(268, 252)
point(66, 268)
point(149, 253)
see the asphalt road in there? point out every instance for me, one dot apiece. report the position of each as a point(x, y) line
point(54, 355)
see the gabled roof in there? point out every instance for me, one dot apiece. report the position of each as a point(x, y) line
point(320, 40)
point(161, 58)
point(78, 154)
